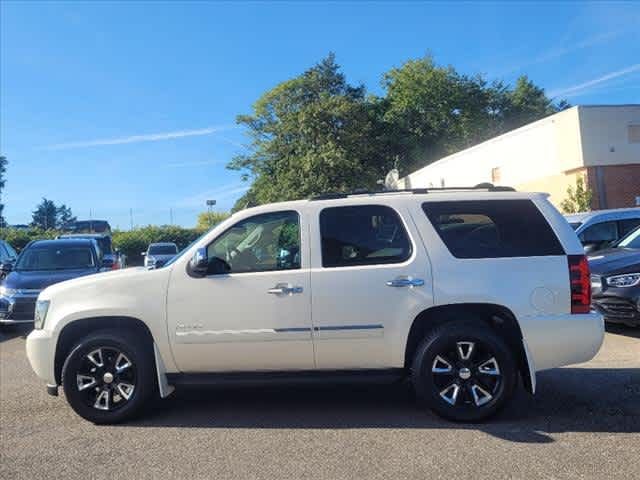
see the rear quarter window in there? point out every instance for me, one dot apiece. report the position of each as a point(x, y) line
point(493, 228)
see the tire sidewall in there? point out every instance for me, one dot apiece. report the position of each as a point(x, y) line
point(428, 392)
point(137, 354)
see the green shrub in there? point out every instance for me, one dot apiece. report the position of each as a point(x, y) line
point(18, 238)
point(131, 243)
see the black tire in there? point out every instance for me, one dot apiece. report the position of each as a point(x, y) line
point(468, 390)
point(114, 380)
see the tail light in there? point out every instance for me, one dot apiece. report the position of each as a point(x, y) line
point(580, 284)
point(115, 266)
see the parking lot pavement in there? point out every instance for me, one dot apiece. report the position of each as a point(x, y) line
point(583, 423)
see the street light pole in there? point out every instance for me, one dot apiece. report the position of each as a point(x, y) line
point(210, 203)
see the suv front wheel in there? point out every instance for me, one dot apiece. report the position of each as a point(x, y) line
point(464, 371)
point(107, 378)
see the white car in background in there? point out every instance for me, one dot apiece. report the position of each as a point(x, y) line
point(461, 292)
point(601, 228)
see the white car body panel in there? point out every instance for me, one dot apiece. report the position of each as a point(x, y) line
point(231, 323)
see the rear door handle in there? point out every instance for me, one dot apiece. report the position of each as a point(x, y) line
point(285, 289)
point(405, 282)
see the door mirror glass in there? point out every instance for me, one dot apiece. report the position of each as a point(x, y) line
point(199, 264)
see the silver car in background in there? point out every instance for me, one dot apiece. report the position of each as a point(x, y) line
point(158, 254)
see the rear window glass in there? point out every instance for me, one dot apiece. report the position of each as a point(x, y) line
point(493, 229)
point(362, 235)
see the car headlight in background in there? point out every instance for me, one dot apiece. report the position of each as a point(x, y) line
point(625, 280)
point(151, 260)
point(42, 307)
point(7, 292)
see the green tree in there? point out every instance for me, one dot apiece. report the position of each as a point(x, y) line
point(206, 220)
point(311, 134)
point(64, 216)
point(435, 111)
point(3, 170)
point(45, 215)
point(578, 198)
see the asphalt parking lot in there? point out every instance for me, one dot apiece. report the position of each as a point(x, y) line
point(583, 423)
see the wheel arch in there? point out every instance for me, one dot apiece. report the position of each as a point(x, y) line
point(77, 329)
point(498, 317)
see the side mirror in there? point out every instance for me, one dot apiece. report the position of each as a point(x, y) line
point(107, 263)
point(6, 267)
point(590, 247)
point(199, 263)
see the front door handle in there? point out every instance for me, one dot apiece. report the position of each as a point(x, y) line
point(405, 282)
point(285, 289)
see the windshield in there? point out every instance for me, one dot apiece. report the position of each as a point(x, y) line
point(632, 240)
point(55, 257)
point(163, 250)
point(103, 242)
point(575, 225)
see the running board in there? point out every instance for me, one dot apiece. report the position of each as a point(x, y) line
point(304, 377)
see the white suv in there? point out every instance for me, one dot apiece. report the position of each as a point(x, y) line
point(460, 291)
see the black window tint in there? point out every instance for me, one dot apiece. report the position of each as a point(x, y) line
point(493, 228)
point(625, 226)
point(600, 232)
point(362, 235)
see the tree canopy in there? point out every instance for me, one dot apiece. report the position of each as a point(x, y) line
point(317, 133)
point(48, 215)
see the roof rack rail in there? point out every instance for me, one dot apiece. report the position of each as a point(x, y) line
point(482, 186)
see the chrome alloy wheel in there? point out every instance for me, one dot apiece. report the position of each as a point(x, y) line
point(106, 379)
point(467, 374)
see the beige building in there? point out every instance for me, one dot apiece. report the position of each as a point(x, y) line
point(599, 143)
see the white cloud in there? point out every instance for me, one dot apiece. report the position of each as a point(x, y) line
point(151, 137)
point(590, 84)
point(199, 199)
point(560, 51)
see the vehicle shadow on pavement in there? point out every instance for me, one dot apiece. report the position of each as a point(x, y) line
point(633, 332)
point(568, 400)
point(13, 331)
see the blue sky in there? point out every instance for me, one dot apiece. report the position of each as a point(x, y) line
point(108, 107)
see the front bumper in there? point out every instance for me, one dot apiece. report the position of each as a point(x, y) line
point(618, 309)
point(18, 309)
point(40, 352)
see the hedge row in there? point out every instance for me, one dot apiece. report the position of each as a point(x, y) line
point(131, 243)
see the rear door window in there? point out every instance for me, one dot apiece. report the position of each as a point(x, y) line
point(493, 228)
point(599, 233)
point(362, 235)
point(625, 226)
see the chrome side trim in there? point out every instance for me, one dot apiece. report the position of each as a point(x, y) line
point(349, 327)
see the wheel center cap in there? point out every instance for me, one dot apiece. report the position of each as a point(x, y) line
point(107, 378)
point(464, 373)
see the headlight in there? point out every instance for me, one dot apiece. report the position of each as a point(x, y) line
point(7, 292)
point(42, 307)
point(626, 280)
point(151, 260)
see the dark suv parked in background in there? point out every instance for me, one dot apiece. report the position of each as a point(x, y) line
point(40, 264)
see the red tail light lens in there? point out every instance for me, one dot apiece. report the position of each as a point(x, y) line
point(580, 284)
point(115, 266)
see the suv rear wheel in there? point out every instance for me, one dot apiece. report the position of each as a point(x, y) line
point(107, 378)
point(464, 371)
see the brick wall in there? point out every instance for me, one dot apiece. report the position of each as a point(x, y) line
point(621, 185)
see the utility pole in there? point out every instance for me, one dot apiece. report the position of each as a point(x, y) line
point(170, 216)
point(131, 217)
point(210, 203)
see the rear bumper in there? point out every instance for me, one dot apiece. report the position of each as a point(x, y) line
point(558, 340)
point(40, 352)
